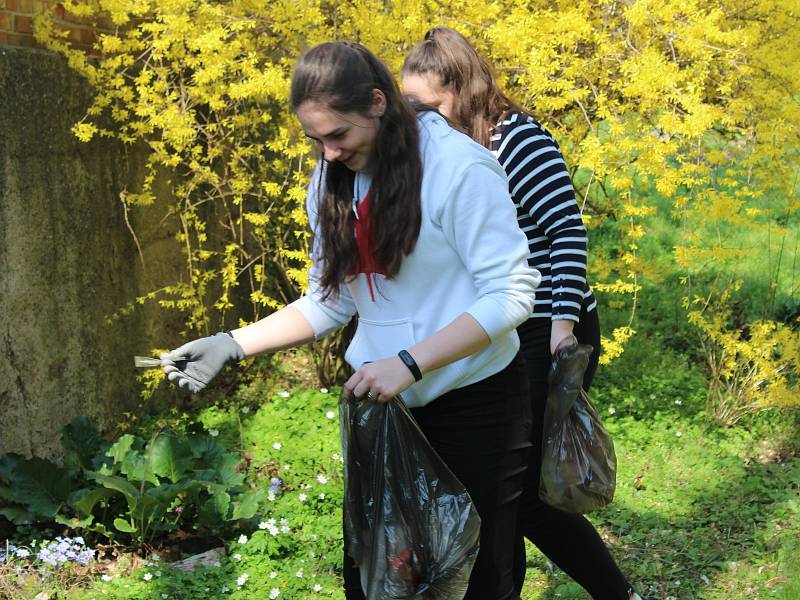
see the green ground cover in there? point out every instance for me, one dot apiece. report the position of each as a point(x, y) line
point(700, 512)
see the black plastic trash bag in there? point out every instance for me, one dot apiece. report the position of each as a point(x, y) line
point(579, 466)
point(410, 524)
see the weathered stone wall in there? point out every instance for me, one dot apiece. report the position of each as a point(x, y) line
point(67, 261)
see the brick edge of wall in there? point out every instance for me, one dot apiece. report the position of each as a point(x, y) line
point(16, 24)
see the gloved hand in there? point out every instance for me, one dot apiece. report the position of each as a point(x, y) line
point(196, 363)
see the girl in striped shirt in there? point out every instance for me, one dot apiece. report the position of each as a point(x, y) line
point(445, 72)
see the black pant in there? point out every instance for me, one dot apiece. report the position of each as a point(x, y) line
point(483, 433)
point(567, 539)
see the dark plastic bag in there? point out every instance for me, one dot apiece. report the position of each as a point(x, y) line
point(410, 524)
point(579, 465)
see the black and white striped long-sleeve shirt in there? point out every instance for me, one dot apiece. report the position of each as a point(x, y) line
point(548, 213)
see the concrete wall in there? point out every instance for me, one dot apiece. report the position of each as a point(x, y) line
point(67, 261)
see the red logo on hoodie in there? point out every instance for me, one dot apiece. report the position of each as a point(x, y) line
point(365, 242)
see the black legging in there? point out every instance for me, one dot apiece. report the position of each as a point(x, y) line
point(567, 539)
point(483, 433)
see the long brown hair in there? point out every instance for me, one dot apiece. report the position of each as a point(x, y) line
point(446, 56)
point(342, 76)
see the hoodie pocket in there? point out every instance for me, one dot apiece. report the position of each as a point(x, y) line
point(375, 340)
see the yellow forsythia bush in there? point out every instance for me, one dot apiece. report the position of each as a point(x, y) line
point(697, 99)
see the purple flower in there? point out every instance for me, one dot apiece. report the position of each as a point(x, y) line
point(63, 550)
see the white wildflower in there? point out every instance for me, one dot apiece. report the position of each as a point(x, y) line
point(274, 593)
point(242, 579)
point(299, 574)
point(678, 434)
point(242, 539)
point(323, 390)
point(273, 575)
point(322, 496)
point(611, 410)
point(330, 414)
point(271, 496)
point(213, 432)
point(283, 394)
point(106, 578)
point(237, 556)
point(277, 445)
point(302, 497)
point(148, 576)
point(317, 588)
point(678, 402)
point(322, 479)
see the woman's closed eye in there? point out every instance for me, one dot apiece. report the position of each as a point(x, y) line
point(336, 135)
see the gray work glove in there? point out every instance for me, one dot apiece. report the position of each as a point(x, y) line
point(196, 363)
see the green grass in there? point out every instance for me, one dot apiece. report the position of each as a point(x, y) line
point(700, 512)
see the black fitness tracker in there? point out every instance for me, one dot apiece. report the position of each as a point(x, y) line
point(409, 361)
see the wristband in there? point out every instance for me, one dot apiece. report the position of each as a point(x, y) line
point(409, 361)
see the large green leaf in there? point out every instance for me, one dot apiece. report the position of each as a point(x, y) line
point(206, 450)
point(130, 460)
point(122, 447)
point(121, 485)
point(37, 484)
point(214, 512)
point(170, 456)
point(9, 462)
point(138, 467)
point(152, 508)
point(228, 473)
point(246, 505)
point(81, 442)
point(84, 500)
point(75, 522)
point(17, 515)
point(124, 526)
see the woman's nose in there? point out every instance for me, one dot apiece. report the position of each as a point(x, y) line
point(331, 152)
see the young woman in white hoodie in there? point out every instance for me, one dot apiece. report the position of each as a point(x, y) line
point(415, 233)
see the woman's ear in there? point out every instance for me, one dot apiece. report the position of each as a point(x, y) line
point(378, 104)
